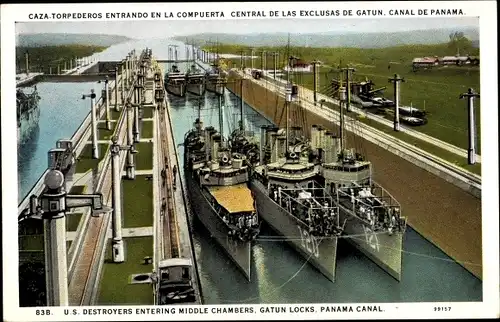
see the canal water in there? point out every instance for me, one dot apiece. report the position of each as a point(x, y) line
point(279, 274)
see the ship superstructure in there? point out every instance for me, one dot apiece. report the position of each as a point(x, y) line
point(195, 80)
point(175, 81)
point(215, 77)
point(374, 222)
point(289, 197)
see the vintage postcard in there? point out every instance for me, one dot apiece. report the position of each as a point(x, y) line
point(250, 161)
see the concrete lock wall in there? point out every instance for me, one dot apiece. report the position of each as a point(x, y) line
point(444, 214)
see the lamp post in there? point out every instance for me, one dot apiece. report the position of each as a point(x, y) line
point(52, 206)
point(95, 148)
point(470, 95)
point(116, 177)
point(106, 102)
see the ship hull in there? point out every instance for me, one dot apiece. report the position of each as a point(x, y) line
point(27, 124)
point(215, 87)
point(321, 253)
point(196, 89)
point(239, 251)
point(383, 249)
point(176, 89)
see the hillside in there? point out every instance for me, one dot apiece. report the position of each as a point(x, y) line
point(54, 39)
point(337, 39)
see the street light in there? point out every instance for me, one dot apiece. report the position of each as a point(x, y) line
point(95, 150)
point(52, 206)
point(106, 100)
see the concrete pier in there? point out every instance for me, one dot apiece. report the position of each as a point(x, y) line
point(86, 271)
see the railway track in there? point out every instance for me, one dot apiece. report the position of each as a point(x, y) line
point(169, 221)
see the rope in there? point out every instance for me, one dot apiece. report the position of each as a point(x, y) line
point(357, 237)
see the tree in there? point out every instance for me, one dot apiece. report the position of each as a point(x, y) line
point(459, 43)
point(32, 284)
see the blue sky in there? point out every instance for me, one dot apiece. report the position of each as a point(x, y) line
point(165, 29)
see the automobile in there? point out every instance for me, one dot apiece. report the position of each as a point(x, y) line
point(411, 111)
point(412, 120)
point(382, 101)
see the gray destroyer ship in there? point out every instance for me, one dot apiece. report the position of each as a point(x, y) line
point(374, 223)
point(217, 182)
point(291, 200)
point(195, 81)
point(175, 82)
point(28, 113)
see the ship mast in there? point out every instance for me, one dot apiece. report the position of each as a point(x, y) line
point(242, 125)
point(342, 94)
point(221, 119)
point(288, 95)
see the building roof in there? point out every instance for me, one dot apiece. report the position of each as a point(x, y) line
point(425, 60)
point(236, 198)
point(449, 58)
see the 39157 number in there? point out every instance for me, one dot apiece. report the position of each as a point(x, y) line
point(442, 308)
point(42, 312)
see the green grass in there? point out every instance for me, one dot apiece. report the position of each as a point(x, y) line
point(147, 130)
point(114, 115)
point(114, 285)
point(86, 162)
point(144, 159)
point(77, 189)
point(72, 221)
point(438, 89)
point(31, 242)
point(105, 134)
point(148, 112)
point(137, 202)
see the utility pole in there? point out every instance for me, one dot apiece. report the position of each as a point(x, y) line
point(95, 148)
point(26, 56)
point(242, 67)
point(315, 64)
point(275, 62)
point(251, 58)
point(470, 95)
point(263, 60)
point(348, 71)
point(396, 80)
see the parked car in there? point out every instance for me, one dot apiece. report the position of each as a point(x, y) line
point(382, 101)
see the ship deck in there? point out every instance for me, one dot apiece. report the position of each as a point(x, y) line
point(235, 198)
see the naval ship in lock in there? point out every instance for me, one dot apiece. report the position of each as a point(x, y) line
point(374, 223)
point(217, 182)
point(28, 114)
point(195, 81)
point(291, 200)
point(175, 81)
